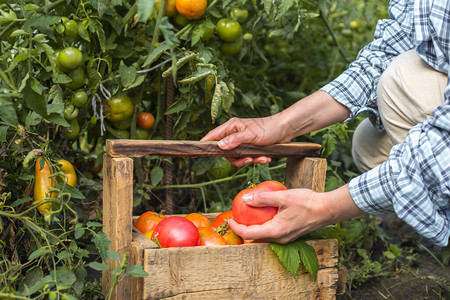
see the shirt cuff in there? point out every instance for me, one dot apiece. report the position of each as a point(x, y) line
point(373, 190)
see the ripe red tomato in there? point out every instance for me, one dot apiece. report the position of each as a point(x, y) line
point(145, 120)
point(208, 237)
point(176, 231)
point(148, 221)
point(221, 218)
point(199, 220)
point(248, 215)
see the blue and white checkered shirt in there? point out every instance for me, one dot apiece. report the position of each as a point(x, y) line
point(415, 181)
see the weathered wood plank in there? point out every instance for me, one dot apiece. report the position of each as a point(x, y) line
point(231, 272)
point(138, 148)
point(306, 172)
point(117, 214)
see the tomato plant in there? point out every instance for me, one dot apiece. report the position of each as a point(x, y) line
point(208, 237)
point(148, 221)
point(248, 215)
point(176, 231)
point(228, 30)
point(199, 220)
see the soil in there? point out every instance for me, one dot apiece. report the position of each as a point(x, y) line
point(426, 278)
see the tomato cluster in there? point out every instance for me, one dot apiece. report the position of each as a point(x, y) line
point(193, 230)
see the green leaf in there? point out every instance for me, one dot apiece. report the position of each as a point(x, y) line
point(102, 243)
point(3, 131)
point(7, 110)
point(309, 259)
point(28, 284)
point(35, 101)
point(156, 174)
point(43, 20)
point(79, 232)
point(167, 30)
point(127, 74)
point(32, 119)
point(155, 54)
point(98, 266)
point(136, 271)
point(114, 255)
point(145, 9)
point(38, 253)
point(64, 255)
point(291, 254)
point(94, 79)
point(445, 253)
point(396, 250)
point(139, 80)
point(177, 106)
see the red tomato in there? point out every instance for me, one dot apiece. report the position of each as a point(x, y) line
point(148, 221)
point(248, 215)
point(176, 231)
point(208, 237)
point(231, 238)
point(198, 220)
point(221, 218)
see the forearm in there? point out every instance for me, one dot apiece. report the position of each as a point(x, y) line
point(340, 205)
point(312, 113)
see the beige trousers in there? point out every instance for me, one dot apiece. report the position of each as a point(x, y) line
point(408, 91)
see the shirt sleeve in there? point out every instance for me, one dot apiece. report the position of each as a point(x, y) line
point(415, 181)
point(356, 87)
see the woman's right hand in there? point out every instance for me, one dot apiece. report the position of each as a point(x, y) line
point(258, 131)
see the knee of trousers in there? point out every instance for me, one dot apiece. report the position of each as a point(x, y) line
point(408, 91)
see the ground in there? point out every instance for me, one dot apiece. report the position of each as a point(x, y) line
point(425, 278)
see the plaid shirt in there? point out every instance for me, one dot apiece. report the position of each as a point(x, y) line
point(415, 180)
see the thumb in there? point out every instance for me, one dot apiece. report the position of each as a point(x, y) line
point(260, 199)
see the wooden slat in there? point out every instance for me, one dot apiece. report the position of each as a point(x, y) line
point(139, 148)
point(306, 172)
point(235, 272)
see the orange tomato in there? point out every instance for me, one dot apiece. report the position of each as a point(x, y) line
point(170, 8)
point(191, 9)
point(208, 237)
point(199, 220)
point(145, 120)
point(148, 221)
point(221, 218)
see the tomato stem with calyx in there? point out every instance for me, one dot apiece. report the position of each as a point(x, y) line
point(155, 240)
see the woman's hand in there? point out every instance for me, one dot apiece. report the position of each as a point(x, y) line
point(300, 211)
point(258, 131)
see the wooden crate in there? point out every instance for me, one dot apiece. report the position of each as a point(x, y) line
point(250, 271)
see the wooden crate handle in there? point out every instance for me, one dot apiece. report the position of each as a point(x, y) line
point(139, 148)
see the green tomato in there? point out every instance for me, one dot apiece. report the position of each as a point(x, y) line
point(220, 168)
point(142, 134)
point(79, 99)
point(70, 112)
point(70, 58)
point(71, 29)
point(228, 30)
point(78, 77)
point(124, 124)
point(239, 14)
point(123, 134)
point(180, 20)
point(120, 108)
point(354, 24)
point(231, 48)
point(72, 132)
point(248, 36)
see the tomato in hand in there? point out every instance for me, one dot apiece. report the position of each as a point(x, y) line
point(221, 219)
point(249, 215)
point(176, 231)
point(145, 120)
point(148, 221)
point(228, 30)
point(79, 99)
point(199, 220)
point(70, 58)
point(120, 108)
point(208, 237)
point(191, 9)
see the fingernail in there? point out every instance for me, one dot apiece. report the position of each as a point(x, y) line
point(222, 143)
point(247, 197)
